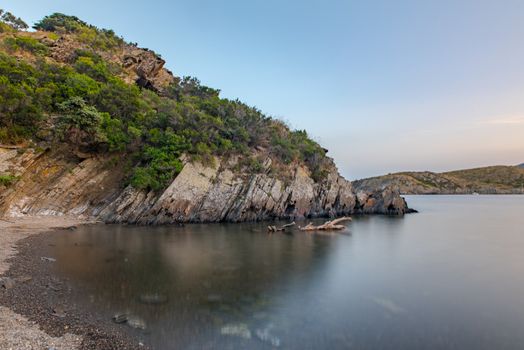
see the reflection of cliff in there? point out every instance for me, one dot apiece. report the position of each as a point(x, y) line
point(232, 269)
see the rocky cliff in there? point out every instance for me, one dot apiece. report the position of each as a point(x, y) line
point(97, 127)
point(60, 183)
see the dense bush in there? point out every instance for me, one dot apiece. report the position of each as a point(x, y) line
point(87, 104)
point(88, 34)
point(25, 43)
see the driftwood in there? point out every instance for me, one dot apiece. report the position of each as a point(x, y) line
point(271, 229)
point(11, 222)
point(328, 225)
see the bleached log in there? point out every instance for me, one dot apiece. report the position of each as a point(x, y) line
point(328, 225)
point(272, 229)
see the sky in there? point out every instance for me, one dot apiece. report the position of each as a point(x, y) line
point(385, 85)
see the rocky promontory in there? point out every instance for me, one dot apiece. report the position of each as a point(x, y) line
point(57, 183)
point(101, 129)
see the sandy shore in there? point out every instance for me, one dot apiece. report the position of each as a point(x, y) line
point(16, 331)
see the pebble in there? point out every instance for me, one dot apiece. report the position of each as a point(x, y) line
point(7, 283)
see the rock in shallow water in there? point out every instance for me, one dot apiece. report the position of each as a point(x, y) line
point(236, 329)
point(136, 322)
point(266, 336)
point(120, 318)
point(154, 298)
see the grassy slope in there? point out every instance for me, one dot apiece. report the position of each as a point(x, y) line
point(493, 179)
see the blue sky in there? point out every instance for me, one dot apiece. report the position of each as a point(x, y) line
point(384, 85)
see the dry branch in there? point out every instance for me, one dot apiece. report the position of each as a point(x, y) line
point(328, 225)
point(271, 229)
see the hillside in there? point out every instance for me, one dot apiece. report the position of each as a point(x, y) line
point(521, 165)
point(95, 126)
point(486, 180)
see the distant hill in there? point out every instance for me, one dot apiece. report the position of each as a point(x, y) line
point(486, 180)
point(521, 165)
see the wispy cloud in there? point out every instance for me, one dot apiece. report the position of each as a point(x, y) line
point(504, 120)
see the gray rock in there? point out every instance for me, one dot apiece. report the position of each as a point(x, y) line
point(236, 329)
point(265, 336)
point(120, 318)
point(199, 193)
point(7, 282)
point(44, 258)
point(136, 322)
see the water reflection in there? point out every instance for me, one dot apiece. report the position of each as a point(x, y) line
point(449, 277)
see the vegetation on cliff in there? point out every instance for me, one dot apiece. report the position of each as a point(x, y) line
point(487, 180)
point(84, 98)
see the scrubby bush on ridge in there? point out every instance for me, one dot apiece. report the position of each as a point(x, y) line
point(96, 110)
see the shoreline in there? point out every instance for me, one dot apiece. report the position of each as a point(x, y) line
point(37, 310)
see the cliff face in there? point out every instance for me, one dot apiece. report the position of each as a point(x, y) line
point(106, 132)
point(58, 183)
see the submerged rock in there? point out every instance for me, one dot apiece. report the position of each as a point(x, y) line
point(120, 318)
point(136, 322)
point(154, 298)
point(236, 329)
point(214, 298)
point(266, 336)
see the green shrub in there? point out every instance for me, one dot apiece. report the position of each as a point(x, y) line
point(7, 179)
point(97, 38)
point(25, 43)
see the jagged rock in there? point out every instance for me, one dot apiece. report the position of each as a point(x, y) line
point(53, 184)
point(147, 67)
point(141, 66)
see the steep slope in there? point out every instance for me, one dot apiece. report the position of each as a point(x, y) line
point(91, 125)
point(486, 180)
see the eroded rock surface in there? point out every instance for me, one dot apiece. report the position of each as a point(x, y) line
point(54, 183)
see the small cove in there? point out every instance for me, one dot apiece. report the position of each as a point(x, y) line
point(451, 276)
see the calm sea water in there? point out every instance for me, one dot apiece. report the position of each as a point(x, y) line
point(449, 277)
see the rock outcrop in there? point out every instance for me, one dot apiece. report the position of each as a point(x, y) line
point(139, 65)
point(59, 183)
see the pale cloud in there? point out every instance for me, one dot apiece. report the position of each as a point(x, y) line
point(504, 120)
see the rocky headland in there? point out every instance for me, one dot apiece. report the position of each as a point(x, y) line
point(117, 137)
point(487, 180)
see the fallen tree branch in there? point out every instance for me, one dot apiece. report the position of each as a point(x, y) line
point(271, 229)
point(328, 225)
